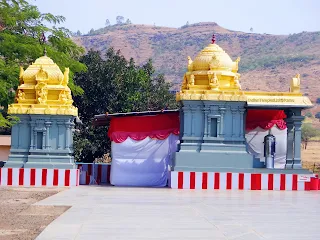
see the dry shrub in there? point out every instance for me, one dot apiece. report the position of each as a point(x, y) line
point(106, 158)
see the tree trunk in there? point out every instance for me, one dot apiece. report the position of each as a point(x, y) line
point(305, 144)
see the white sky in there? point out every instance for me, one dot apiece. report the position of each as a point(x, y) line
point(268, 16)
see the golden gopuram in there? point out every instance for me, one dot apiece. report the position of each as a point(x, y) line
point(212, 75)
point(43, 89)
point(43, 136)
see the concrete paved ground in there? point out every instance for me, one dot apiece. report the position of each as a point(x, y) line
point(139, 213)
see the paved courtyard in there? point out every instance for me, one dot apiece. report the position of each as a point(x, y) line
point(141, 213)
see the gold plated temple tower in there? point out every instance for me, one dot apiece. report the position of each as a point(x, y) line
point(43, 89)
point(43, 136)
point(213, 75)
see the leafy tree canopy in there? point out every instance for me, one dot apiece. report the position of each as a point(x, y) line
point(23, 30)
point(114, 84)
point(308, 132)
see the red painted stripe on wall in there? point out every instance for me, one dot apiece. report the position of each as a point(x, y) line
point(89, 169)
point(229, 180)
point(87, 178)
point(108, 173)
point(294, 182)
point(67, 178)
point(204, 180)
point(21, 176)
point(32, 177)
point(258, 181)
point(9, 182)
point(307, 186)
point(78, 182)
point(99, 174)
point(192, 180)
point(55, 177)
point(241, 181)
point(44, 177)
point(270, 181)
point(282, 182)
point(253, 181)
point(180, 180)
point(216, 180)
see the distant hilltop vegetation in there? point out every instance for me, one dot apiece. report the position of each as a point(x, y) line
point(268, 62)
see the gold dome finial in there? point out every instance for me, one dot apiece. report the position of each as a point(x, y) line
point(213, 40)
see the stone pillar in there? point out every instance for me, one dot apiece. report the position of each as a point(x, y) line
point(72, 126)
point(18, 135)
point(35, 138)
point(290, 143)
point(234, 122)
point(186, 116)
point(32, 138)
point(68, 129)
point(60, 130)
point(209, 126)
point(242, 125)
point(193, 121)
point(47, 124)
point(222, 111)
point(206, 125)
point(297, 122)
point(44, 137)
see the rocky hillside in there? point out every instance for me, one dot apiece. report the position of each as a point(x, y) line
point(268, 62)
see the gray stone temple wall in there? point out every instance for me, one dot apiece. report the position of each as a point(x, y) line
point(42, 141)
point(213, 137)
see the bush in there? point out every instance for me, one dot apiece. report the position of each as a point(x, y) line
point(309, 115)
point(308, 132)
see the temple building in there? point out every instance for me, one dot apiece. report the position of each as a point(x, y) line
point(216, 139)
point(214, 112)
point(42, 138)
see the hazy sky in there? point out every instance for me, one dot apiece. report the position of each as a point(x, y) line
point(267, 16)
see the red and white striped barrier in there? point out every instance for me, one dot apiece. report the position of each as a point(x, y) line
point(101, 173)
point(30, 177)
point(243, 181)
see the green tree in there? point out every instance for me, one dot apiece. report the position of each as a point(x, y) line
point(114, 84)
point(309, 115)
point(23, 35)
point(91, 32)
point(308, 132)
point(120, 20)
point(107, 23)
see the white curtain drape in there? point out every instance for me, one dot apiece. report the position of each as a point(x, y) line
point(255, 145)
point(142, 163)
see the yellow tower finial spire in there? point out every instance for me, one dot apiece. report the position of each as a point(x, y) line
point(213, 40)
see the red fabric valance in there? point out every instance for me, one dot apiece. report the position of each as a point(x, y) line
point(162, 125)
point(139, 127)
point(265, 119)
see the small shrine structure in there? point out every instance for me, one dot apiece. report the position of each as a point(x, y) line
point(213, 116)
point(42, 138)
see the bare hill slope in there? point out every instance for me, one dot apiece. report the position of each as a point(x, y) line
point(268, 62)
